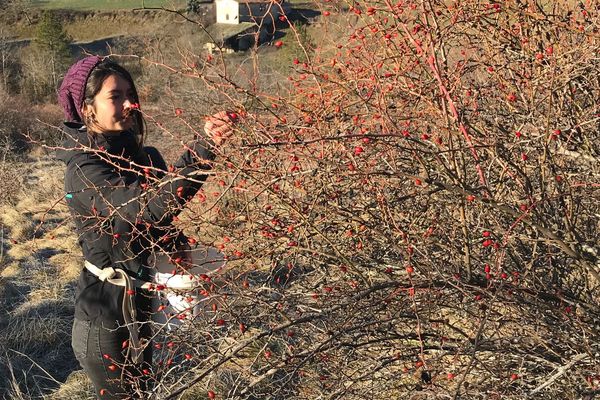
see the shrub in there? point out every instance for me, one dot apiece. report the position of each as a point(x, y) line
point(411, 212)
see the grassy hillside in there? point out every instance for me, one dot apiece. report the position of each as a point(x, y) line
point(106, 4)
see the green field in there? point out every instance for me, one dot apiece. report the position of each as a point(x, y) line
point(106, 4)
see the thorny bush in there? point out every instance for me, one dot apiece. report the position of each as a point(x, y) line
point(412, 212)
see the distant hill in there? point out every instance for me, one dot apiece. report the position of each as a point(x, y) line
point(106, 4)
point(89, 25)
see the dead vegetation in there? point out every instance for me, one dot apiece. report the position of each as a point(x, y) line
point(376, 250)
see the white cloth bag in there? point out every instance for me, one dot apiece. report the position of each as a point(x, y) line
point(181, 293)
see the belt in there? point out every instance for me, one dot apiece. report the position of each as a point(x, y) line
point(119, 277)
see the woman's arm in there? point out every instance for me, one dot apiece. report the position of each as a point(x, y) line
point(95, 190)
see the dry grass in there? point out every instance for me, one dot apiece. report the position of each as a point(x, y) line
point(86, 25)
point(40, 264)
point(105, 4)
point(11, 270)
point(10, 188)
point(20, 225)
point(94, 26)
point(77, 387)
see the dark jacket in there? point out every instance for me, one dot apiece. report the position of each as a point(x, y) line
point(123, 201)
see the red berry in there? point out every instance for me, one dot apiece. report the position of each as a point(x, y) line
point(514, 377)
point(358, 150)
point(326, 13)
point(102, 392)
point(131, 292)
point(112, 367)
point(242, 328)
point(278, 43)
point(486, 233)
point(410, 269)
point(178, 111)
point(211, 394)
point(451, 375)
point(418, 182)
point(188, 356)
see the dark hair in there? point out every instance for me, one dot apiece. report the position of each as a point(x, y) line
point(99, 74)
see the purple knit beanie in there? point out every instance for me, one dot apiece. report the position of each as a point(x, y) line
point(72, 89)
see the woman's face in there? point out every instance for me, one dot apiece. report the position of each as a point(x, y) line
point(109, 105)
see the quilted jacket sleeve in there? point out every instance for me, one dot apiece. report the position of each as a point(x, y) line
point(97, 190)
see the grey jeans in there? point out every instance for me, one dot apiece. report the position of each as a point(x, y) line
point(103, 355)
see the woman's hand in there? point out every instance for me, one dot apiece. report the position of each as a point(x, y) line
point(220, 126)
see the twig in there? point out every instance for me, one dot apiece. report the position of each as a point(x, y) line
point(37, 365)
point(561, 371)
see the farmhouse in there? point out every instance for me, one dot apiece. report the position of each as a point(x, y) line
point(255, 11)
point(240, 23)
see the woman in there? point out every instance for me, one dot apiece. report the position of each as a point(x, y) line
point(123, 202)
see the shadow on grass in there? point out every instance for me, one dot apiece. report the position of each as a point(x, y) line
point(35, 340)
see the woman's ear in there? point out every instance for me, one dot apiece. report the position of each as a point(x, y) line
point(87, 112)
point(85, 109)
